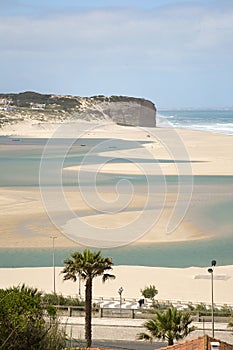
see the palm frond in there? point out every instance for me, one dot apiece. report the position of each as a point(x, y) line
point(169, 325)
point(144, 336)
point(87, 264)
point(107, 276)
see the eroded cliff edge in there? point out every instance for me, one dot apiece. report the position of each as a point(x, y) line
point(29, 106)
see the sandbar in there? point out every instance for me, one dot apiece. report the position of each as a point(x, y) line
point(167, 151)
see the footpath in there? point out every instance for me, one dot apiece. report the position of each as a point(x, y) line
point(128, 328)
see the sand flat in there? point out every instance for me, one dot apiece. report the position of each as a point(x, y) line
point(209, 153)
point(24, 220)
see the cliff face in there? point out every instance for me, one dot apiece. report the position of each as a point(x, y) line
point(135, 113)
point(52, 108)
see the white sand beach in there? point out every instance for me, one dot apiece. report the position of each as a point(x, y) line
point(173, 284)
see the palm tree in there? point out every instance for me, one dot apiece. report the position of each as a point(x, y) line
point(168, 325)
point(87, 265)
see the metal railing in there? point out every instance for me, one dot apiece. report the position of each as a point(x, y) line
point(164, 301)
point(134, 313)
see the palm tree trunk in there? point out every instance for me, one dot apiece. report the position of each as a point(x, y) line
point(88, 311)
point(170, 341)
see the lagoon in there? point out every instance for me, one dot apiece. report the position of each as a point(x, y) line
point(211, 209)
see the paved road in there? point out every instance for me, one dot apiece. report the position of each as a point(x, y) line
point(124, 345)
point(122, 330)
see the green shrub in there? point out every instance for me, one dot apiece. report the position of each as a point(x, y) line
point(23, 323)
point(59, 299)
point(149, 292)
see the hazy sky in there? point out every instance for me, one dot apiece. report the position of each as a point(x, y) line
point(175, 53)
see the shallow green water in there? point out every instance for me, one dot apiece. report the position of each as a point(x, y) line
point(198, 253)
point(20, 167)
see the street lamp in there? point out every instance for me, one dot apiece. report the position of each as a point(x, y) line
point(54, 280)
point(211, 271)
point(120, 293)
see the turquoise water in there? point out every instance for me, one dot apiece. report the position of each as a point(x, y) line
point(20, 163)
point(196, 253)
point(20, 160)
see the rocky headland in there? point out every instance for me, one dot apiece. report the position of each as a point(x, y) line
point(47, 108)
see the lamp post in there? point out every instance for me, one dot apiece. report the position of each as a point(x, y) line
point(54, 278)
point(120, 293)
point(211, 271)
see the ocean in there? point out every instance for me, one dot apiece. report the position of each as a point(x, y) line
point(214, 213)
point(217, 121)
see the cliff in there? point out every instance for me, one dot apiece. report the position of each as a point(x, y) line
point(122, 110)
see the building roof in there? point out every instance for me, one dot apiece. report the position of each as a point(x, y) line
point(201, 343)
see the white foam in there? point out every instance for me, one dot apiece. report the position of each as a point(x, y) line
point(171, 121)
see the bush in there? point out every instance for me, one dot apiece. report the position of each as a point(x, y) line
point(23, 324)
point(59, 299)
point(149, 292)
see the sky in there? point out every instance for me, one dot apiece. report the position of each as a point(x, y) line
point(174, 53)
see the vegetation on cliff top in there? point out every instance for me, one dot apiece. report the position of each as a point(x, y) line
point(32, 106)
point(68, 102)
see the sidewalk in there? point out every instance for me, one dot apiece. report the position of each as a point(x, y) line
point(128, 328)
